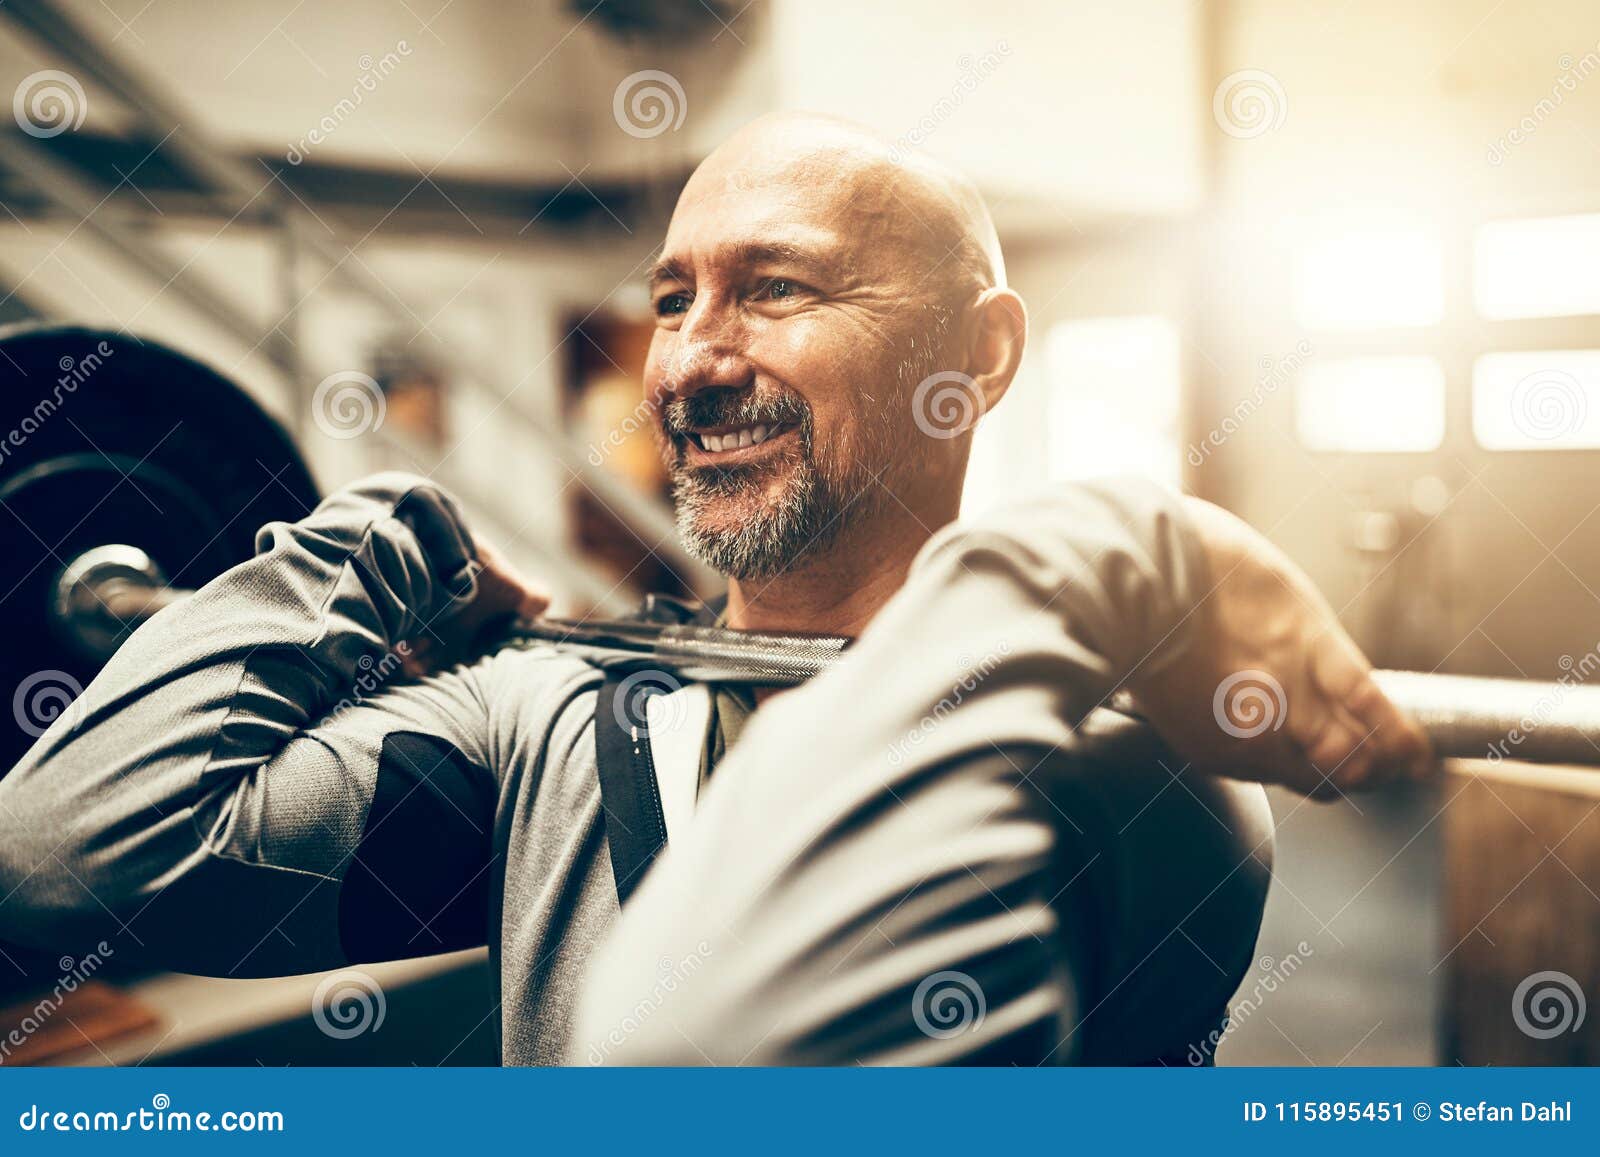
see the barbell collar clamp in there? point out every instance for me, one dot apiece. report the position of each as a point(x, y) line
point(105, 593)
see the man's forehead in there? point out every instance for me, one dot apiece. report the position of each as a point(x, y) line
point(821, 216)
point(748, 239)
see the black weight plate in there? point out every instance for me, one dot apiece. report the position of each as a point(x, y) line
point(106, 438)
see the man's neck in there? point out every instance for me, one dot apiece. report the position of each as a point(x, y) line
point(840, 591)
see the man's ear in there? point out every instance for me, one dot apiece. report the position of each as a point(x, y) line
point(1000, 330)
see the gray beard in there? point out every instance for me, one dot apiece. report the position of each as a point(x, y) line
point(805, 518)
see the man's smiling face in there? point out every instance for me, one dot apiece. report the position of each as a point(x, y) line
point(798, 300)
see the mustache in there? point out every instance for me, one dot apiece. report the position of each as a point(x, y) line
point(732, 407)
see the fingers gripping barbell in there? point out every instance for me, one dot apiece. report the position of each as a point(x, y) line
point(131, 474)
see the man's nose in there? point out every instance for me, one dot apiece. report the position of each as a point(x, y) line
point(709, 352)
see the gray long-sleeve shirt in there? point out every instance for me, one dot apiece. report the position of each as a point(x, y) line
point(250, 788)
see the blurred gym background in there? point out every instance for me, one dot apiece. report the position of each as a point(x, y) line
point(1332, 263)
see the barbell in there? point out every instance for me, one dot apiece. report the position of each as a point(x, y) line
point(131, 474)
point(128, 473)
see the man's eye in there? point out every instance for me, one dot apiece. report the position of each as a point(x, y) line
point(779, 288)
point(672, 304)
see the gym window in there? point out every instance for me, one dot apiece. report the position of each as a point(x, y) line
point(1537, 400)
point(1372, 405)
point(1537, 267)
point(1527, 274)
point(1370, 278)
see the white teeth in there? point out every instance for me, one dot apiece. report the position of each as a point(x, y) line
point(736, 439)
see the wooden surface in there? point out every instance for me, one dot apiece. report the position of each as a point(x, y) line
point(1522, 877)
point(94, 1014)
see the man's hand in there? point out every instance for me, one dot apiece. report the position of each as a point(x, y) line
point(501, 593)
point(1270, 687)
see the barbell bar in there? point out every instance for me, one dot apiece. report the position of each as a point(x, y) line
point(1464, 716)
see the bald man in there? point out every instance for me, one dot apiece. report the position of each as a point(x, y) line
point(926, 855)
